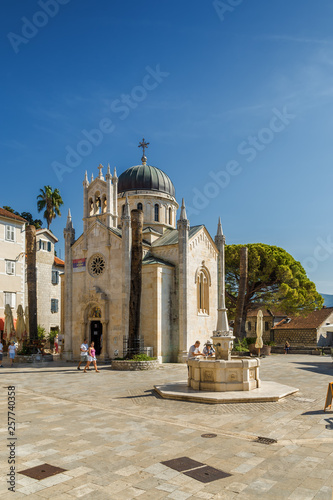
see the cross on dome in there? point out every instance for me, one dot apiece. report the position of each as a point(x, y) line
point(144, 145)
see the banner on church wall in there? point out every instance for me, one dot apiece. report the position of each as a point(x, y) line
point(79, 265)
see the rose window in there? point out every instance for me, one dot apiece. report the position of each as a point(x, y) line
point(97, 265)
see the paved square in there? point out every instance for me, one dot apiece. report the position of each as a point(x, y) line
point(111, 432)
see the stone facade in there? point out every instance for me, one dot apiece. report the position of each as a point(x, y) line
point(97, 274)
point(49, 269)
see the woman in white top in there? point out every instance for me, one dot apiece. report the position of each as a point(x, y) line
point(12, 352)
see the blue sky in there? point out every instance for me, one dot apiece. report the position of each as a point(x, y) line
point(235, 101)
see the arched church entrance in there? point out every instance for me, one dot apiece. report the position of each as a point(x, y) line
point(96, 331)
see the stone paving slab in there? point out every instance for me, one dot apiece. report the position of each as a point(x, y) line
point(111, 431)
point(269, 391)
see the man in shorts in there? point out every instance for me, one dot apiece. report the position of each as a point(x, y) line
point(84, 353)
point(1, 354)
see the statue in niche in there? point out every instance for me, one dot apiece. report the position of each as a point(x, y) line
point(96, 312)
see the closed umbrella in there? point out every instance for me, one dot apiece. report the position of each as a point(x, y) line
point(260, 327)
point(20, 324)
point(9, 322)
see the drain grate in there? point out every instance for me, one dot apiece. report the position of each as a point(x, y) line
point(264, 440)
point(42, 471)
point(207, 474)
point(181, 464)
point(208, 435)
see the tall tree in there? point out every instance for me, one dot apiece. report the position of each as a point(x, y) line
point(51, 201)
point(239, 329)
point(275, 279)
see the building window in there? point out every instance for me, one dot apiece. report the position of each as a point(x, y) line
point(266, 326)
point(10, 267)
point(97, 265)
point(249, 326)
point(10, 233)
point(54, 305)
point(170, 216)
point(156, 213)
point(203, 282)
point(55, 277)
point(10, 298)
point(139, 206)
point(45, 245)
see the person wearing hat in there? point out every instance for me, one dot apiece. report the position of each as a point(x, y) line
point(12, 352)
point(208, 350)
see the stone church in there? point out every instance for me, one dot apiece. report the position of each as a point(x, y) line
point(181, 268)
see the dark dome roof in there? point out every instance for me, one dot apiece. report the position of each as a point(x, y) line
point(145, 177)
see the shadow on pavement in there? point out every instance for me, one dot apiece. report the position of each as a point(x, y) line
point(323, 367)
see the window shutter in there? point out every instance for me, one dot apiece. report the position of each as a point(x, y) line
point(49, 246)
point(40, 244)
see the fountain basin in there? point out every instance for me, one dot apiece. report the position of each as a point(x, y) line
point(218, 375)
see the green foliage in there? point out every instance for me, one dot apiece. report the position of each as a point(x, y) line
point(142, 357)
point(25, 350)
point(250, 340)
point(275, 279)
point(52, 335)
point(41, 332)
point(51, 201)
point(271, 343)
point(241, 346)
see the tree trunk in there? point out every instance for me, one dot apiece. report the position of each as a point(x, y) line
point(31, 280)
point(136, 284)
point(239, 330)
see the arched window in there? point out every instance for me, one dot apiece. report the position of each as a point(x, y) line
point(203, 283)
point(157, 213)
point(139, 206)
point(91, 207)
point(123, 210)
point(170, 216)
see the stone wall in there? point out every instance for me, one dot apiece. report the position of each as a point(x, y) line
point(295, 337)
point(134, 365)
point(46, 290)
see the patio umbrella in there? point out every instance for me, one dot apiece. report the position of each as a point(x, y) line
point(9, 322)
point(20, 325)
point(26, 314)
point(260, 327)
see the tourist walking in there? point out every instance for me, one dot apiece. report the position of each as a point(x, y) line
point(12, 352)
point(91, 358)
point(1, 354)
point(84, 353)
point(286, 347)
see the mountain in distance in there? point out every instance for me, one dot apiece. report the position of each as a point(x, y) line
point(328, 299)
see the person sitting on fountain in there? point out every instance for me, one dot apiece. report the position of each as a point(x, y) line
point(194, 351)
point(208, 350)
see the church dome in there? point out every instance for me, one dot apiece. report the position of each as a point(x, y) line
point(147, 178)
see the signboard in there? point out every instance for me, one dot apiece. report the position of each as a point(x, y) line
point(79, 265)
point(328, 402)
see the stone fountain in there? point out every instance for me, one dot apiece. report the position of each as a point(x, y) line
point(225, 372)
point(225, 378)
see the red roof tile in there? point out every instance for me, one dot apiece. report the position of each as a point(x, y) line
point(10, 215)
point(313, 320)
point(58, 262)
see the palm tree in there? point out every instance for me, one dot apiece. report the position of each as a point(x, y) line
point(51, 201)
